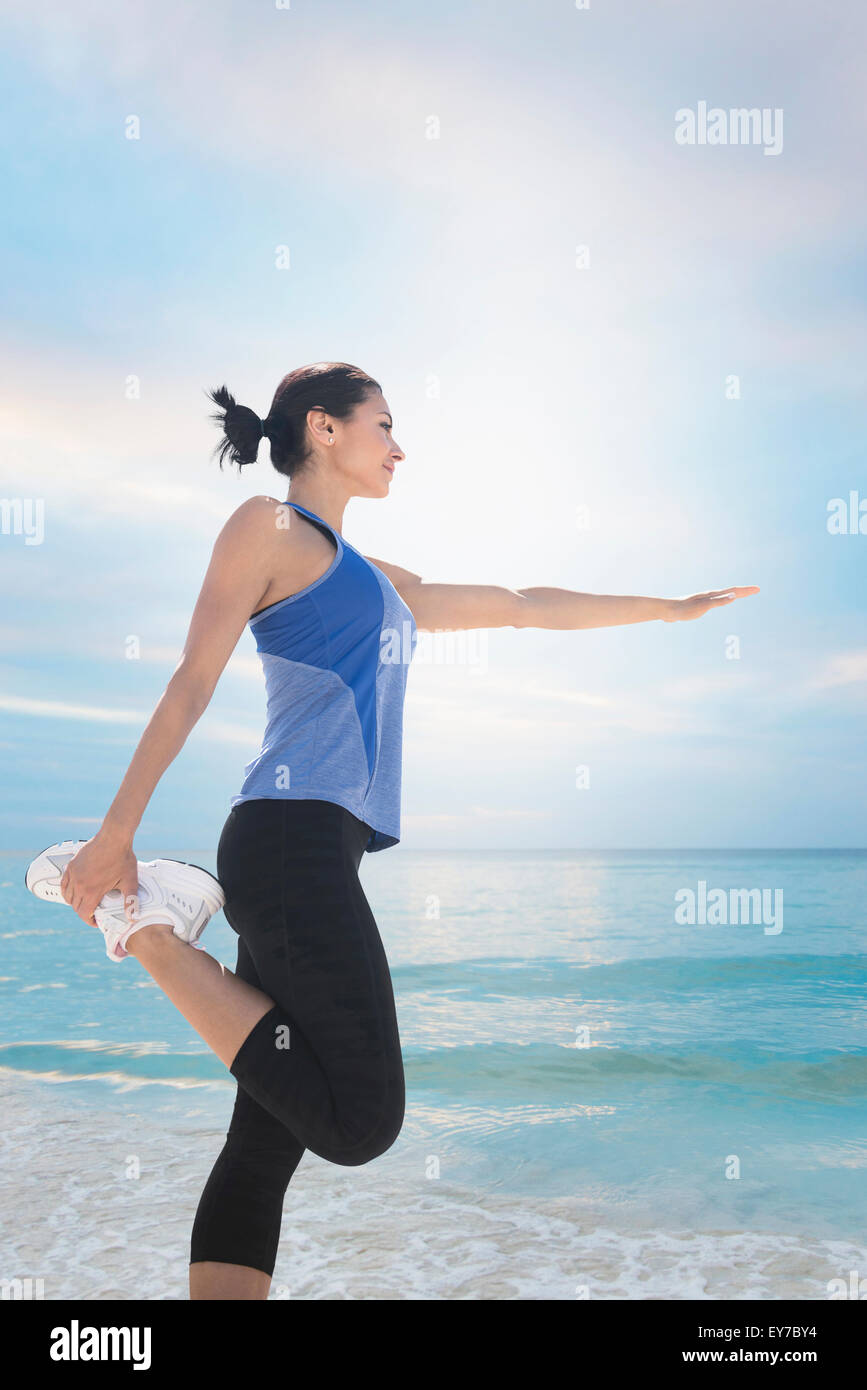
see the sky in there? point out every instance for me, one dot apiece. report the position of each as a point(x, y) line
point(617, 363)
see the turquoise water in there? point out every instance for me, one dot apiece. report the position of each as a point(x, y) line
point(569, 1045)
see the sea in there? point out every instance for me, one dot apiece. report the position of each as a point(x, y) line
point(630, 1075)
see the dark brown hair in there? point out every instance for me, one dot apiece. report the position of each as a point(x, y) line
point(335, 387)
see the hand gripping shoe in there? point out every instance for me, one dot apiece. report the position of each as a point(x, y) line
point(170, 891)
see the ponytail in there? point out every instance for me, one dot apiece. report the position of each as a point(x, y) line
point(243, 431)
point(335, 387)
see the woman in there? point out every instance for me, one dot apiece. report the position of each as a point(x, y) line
point(306, 1024)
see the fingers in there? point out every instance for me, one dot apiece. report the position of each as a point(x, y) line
point(80, 902)
point(129, 887)
point(83, 911)
point(735, 591)
point(84, 908)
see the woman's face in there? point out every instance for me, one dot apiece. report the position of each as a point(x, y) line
point(364, 449)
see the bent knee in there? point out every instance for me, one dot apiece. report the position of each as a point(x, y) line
point(350, 1151)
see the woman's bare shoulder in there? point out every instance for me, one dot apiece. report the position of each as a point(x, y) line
point(260, 517)
point(260, 507)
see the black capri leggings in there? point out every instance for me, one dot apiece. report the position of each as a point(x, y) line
point(323, 1069)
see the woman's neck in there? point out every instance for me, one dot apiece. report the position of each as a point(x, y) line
point(327, 503)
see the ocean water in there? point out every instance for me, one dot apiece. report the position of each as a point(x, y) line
point(603, 1101)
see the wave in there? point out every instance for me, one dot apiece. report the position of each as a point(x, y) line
point(653, 975)
point(499, 1072)
point(572, 1073)
point(123, 1064)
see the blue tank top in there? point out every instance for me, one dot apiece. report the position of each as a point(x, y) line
point(336, 658)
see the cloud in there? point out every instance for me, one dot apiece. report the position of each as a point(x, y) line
point(732, 680)
point(270, 100)
point(57, 709)
point(841, 669)
point(218, 731)
point(273, 95)
point(65, 642)
point(114, 463)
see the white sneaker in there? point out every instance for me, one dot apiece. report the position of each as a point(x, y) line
point(44, 874)
point(182, 895)
point(168, 891)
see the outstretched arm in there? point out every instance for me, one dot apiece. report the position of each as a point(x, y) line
point(453, 606)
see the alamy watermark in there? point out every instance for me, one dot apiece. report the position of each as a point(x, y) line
point(847, 517)
point(740, 125)
point(23, 516)
point(855, 1288)
point(722, 907)
point(77, 1343)
point(28, 1288)
point(445, 647)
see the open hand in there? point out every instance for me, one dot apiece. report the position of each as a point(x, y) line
point(99, 866)
point(681, 610)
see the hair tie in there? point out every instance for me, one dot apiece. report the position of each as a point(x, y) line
point(264, 425)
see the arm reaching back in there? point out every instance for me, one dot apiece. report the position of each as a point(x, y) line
point(237, 578)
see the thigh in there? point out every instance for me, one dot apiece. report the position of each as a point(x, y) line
point(290, 872)
point(252, 1128)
